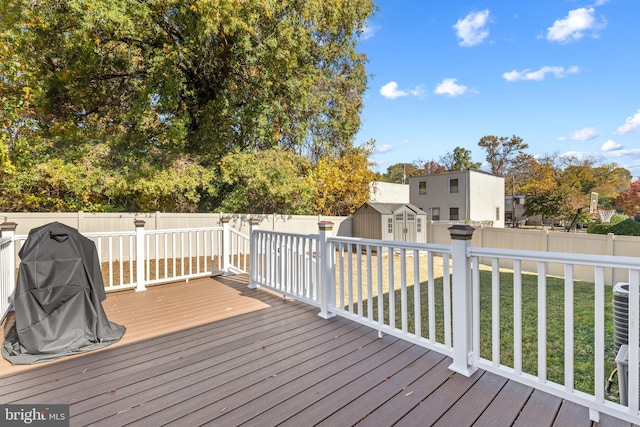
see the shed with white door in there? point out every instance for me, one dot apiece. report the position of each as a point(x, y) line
point(402, 222)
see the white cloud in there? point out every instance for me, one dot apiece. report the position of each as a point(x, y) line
point(451, 88)
point(574, 26)
point(384, 148)
point(558, 72)
point(390, 90)
point(368, 31)
point(472, 29)
point(609, 152)
point(631, 153)
point(631, 124)
point(418, 91)
point(610, 146)
point(584, 134)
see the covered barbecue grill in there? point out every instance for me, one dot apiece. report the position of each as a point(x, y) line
point(58, 298)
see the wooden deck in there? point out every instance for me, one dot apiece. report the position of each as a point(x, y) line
point(213, 352)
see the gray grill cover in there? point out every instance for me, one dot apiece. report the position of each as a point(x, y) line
point(58, 298)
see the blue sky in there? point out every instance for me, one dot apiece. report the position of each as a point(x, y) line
point(561, 74)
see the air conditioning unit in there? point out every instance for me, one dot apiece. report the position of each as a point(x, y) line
point(620, 315)
point(622, 360)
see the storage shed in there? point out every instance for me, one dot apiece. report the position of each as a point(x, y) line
point(402, 222)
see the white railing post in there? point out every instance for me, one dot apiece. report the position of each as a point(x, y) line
point(327, 274)
point(461, 300)
point(140, 261)
point(226, 243)
point(254, 224)
point(8, 230)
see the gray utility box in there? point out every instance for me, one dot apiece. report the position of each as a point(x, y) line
point(622, 360)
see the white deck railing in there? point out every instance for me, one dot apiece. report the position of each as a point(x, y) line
point(166, 256)
point(430, 295)
point(286, 263)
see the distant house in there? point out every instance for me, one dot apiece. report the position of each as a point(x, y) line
point(388, 192)
point(470, 196)
point(514, 202)
point(390, 221)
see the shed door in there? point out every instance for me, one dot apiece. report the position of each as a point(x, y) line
point(405, 227)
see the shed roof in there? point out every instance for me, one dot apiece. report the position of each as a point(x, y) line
point(390, 208)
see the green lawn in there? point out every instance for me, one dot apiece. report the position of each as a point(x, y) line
point(583, 330)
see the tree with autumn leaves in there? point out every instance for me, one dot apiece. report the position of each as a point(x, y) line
point(149, 105)
point(628, 201)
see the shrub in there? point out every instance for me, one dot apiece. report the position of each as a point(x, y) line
point(621, 225)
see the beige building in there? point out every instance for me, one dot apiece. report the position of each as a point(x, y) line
point(469, 196)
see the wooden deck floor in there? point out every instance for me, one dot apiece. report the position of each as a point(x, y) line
point(213, 352)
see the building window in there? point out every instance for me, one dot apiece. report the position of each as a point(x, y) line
point(389, 225)
point(453, 214)
point(419, 225)
point(435, 214)
point(411, 217)
point(400, 217)
point(453, 185)
point(422, 187)
point(498, 213)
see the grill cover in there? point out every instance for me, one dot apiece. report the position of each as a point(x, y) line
point(58, 299)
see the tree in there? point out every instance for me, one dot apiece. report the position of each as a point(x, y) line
point(153, 86)
point(431, 167)
point(501, 151)
point(398, 173)
point(551, 203)
point(459, 160)
point(628, 201)
point(266, 181)
point(342, 183)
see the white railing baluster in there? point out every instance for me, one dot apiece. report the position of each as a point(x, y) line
point(110, 256)
point(517, 316)
point(417, 307)
point(120, 254)
point(599, 334)
point(431, 297)
point(475, 304)
point(198, 252)
point(495, 311)
point(446, 284)
point(359, 277)
point(157, 255)
point(369, 286)
point(380, 289)
point(392, 293)
point(542, 322)
point(350, 276)
point(568, 328)
point(403, 290)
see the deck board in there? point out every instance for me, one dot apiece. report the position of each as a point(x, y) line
point(213, 352)
point(479, 396)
